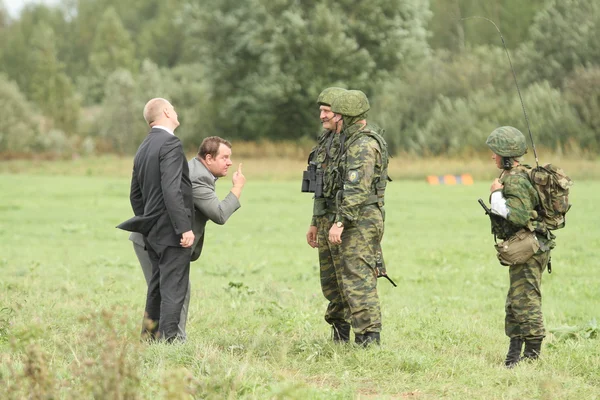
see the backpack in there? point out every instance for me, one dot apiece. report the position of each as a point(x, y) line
point(381, 182)
point(552, 185)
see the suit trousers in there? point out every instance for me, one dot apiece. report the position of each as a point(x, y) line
point(146, 264)
point(166, 291)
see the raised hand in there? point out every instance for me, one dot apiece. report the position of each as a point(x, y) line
point(239, 179)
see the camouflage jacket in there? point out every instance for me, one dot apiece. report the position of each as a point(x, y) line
point(322, 155)
point(521, 200)
point(352, 178)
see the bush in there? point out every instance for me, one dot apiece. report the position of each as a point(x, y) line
point(554, 122)
point(191, 97)
point(121, 121)
point(105, 365)
point(406, 103)
point(54, 141)
point(461, 125)
point(20, 124)
point(582, 91)
point(563, 36)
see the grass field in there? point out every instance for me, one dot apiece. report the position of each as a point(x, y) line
point(72, 297)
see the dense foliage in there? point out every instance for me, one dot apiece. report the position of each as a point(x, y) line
point(438, 83)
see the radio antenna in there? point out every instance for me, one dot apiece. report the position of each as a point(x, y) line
point(516, 83)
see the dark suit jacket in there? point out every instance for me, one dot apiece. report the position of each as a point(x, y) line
point(207, 203)
point(161, 191)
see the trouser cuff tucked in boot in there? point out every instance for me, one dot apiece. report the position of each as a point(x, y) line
point(341, 333)
point(514, 352)
point(533, 348)
point(367, 338)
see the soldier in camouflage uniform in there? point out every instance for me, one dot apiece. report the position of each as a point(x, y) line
point(354, 186)
point(526, 243)
point(337, 314)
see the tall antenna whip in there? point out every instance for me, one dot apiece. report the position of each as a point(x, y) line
point(516, 83)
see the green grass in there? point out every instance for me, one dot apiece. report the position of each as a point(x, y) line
point(72, 297)
point(286, 163)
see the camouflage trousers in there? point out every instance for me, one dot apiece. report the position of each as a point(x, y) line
point(354, 269)
point(337, 311)
point(524, 300)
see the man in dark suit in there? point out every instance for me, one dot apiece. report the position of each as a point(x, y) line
point(162, 201)
point(212, 162)
point(139, 247)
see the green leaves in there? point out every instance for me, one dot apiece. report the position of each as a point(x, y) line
point(269, 60)
point(587, 331)
point(564, 35)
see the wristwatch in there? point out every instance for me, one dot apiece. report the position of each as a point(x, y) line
point(339, 224)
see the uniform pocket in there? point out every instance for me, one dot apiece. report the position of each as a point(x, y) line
point(518, 249)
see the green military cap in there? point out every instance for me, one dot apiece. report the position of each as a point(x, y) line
point(351, 103)
point(327, 95)
point(507, 141)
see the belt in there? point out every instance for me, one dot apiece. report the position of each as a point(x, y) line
point(372, 199)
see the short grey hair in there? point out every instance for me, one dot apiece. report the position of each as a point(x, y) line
point(154, 108)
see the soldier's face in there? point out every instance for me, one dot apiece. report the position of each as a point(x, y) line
point(326, 117)
point(497, 159)
point(219, 165)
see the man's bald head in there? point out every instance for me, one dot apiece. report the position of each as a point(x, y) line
point(153, 110)
point(159, 111)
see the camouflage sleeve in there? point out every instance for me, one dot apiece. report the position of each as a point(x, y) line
point(361, 159)
point(319, 209)
point(520, 199)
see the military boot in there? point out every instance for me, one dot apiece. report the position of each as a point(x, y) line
point(367, 338)
point(514, 352)
point(341, 333)
point(533, 348)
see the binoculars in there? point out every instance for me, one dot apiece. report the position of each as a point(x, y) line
point(312, 180)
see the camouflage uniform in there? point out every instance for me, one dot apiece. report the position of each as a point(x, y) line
point(354, 184)
point(524, 321)
point(524, 300)
point(323, 213)
point(337, 313)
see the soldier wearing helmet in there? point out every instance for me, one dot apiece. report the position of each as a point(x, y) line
point(525, 246)
point(316, 237)
point(354, 186)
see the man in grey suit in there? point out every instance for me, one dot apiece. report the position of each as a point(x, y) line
point(212, 161)
point(162, 201)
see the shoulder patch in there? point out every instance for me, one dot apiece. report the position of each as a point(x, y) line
point(353, 176)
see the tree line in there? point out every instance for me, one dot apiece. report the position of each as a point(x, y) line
point(74, 76)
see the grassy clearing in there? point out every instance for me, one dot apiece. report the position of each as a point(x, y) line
point(72, 295)
point(287, 163)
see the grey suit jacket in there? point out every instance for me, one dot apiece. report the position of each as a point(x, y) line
point(206, 203)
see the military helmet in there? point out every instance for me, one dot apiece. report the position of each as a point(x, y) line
point(327, 95)
point(351, 103)
point(507, 141)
